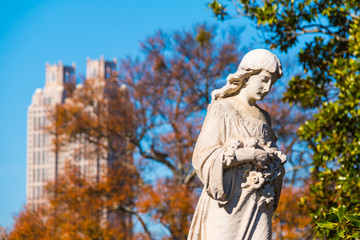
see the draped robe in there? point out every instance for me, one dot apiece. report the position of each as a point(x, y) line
point(236, 202)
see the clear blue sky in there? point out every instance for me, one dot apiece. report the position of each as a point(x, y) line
point(35, 32)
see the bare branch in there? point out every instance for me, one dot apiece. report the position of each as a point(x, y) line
point(154, 155)
point(190, 176)
point(129, 210)
point(298, 168)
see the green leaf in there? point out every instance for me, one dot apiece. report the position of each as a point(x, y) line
point(326, 224)
point(332, 217)
point(354, 219)
point(353, 236)
point(334, 210)
point(342, 212)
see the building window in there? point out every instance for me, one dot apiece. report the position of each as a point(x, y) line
point(36, 192)
point(40, 158)
point(35, 123)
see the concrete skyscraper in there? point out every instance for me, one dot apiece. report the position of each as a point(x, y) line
point(43, 164)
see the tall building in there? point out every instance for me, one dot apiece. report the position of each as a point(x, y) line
point(43, 164)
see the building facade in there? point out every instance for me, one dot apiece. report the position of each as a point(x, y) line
point(44, 162)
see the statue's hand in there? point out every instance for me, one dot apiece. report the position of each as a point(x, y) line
point(261, 158)
point(258, 157)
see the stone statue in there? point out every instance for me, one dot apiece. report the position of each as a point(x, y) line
point(236, 156)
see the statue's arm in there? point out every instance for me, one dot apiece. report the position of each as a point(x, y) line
point(241, 155)
point(208, 156)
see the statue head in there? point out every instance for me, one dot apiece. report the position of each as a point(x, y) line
point(254, 62)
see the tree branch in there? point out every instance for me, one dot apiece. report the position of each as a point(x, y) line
point(190, 177)
point(297, 168)
point(319, 30)
point(129, 210)
point(154, 155)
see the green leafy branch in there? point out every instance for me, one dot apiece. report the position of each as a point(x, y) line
point(346, 224)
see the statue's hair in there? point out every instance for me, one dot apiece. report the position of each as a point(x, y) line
point(252, 63)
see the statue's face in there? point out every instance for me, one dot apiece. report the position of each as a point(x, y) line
point(258, 85)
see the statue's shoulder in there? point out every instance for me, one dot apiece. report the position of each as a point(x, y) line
point(223, 106)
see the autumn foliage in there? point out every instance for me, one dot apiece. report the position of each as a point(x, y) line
point(79, 208)
point(27, 225)
point(170, 204)
point(290, 221)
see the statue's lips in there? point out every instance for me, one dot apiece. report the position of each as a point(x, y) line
point(261, 94)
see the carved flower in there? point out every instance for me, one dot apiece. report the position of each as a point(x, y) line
point(250, 142)
point(254, 180)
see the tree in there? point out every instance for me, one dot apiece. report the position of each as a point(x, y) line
point(94, 123)
point(330, 60)
point(99, 116)
point(80, 208)
point(27, 225)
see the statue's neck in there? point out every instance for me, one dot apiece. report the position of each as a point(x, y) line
point(243, 98)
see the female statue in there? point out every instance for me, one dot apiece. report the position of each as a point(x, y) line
point(236, 156)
